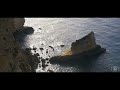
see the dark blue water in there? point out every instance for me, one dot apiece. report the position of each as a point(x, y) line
point(57, 31)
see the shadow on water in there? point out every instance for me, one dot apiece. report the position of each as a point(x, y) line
point(87, 63)
point(20, 35)
point(83, 63)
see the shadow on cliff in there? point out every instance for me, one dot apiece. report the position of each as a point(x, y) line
point(21, 34)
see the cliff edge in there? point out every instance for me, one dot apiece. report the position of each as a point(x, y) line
point(12, 57)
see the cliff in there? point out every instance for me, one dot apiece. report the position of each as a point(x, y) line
point(83, 48)
point(12, 57)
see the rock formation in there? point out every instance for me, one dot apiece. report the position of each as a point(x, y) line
point(12, 58)
point(84, 44)
point(82, 48)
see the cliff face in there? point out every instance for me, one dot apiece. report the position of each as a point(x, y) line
point(18, 23)
point(12, 58)
point(11, 24)
point(84, 44)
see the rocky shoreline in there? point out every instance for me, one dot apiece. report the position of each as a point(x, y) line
point(34, 60)
point(15, 59)
point(12, 57)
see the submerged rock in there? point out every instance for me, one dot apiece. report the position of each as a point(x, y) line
point(51, 71)
point(80, 49)
point(52, 48)
point(41, 49)
point(34, 48)
point(62, 45)
point(40, 28)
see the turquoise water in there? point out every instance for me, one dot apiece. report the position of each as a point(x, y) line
point(63, 31)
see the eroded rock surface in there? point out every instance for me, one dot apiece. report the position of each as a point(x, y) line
point(84, 44)
point(12, 57)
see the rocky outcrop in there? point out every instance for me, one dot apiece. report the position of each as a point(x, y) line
point(12, 57)
point(81, 49)
point(18, 23)
point(84, 44)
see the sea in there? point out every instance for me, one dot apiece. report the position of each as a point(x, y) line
point(63, 31)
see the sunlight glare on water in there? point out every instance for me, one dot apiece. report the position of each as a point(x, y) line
point(63, 31)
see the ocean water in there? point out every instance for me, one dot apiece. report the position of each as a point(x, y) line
point(63, 31)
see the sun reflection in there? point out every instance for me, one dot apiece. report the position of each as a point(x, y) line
point(67, 52)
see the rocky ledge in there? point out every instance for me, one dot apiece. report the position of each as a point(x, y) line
point(83, 48)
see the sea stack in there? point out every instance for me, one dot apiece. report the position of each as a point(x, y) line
point(84, 47)
point(84, 44)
